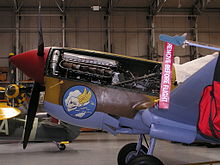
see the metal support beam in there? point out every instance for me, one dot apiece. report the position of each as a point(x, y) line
point(17, 26)
point(59, 7)
point(109, 45)
point(17, 5)
point(42, 15)
point(194, 51)
point(17, 34)
point(151, 37)
point(154, 9)
point(62, 10)
point(19, 75)
point(12, 69)
point(156, 6)
point(107, 18)
point(63, 25)
point(197, 8)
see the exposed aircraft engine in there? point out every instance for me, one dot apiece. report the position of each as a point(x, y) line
point(106, 70)
point(89, 68)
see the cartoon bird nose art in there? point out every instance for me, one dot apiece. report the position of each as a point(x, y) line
point(79, 102)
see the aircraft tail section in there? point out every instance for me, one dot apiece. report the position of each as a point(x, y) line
point(184, 71)
point(182, 115)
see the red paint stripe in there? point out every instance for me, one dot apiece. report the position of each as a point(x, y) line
point(165, 85)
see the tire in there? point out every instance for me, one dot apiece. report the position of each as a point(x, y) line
point(62, 147)
point(145, 160)
point(128, 152)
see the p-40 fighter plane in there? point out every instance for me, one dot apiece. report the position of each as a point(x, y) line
point(115, 93)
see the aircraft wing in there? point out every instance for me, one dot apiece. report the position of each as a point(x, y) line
point(7, 112)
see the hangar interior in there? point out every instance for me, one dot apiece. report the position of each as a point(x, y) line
point(120, 26)
point(127, 27)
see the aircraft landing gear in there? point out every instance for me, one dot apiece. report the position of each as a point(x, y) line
point(61, 145)
point(138, 154)
point(129, 152)
point(145, 160)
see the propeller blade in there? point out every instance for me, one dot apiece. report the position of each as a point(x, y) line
point(40, 34)
point(31, 113)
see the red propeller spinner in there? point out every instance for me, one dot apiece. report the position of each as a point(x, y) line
point(31, 64)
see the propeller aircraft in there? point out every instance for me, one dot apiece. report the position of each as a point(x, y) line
point(6, 111)
point(114, 93)
point(46, 128)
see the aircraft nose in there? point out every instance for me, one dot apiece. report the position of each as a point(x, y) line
point(31, 64)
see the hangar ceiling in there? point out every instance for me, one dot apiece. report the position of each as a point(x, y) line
point(165, 5)
point(129, 27)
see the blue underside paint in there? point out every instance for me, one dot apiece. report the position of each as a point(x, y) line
point(100, 120)
point(97, 120)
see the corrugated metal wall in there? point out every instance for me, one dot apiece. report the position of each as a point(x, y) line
point(7, 42)
point(87, 29)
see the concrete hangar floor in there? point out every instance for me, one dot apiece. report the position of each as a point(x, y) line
point(98, 148)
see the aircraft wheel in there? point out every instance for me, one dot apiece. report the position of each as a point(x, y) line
point(145, 160)
point(61, 147)
point(128, 152)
